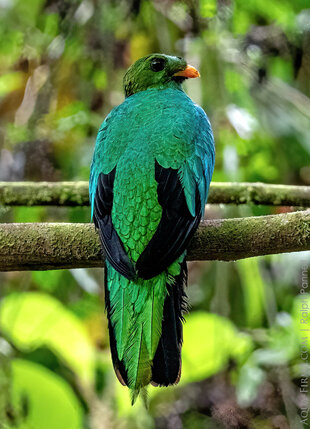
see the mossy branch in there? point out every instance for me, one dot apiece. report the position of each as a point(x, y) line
point(62, 245)
point(76, 194)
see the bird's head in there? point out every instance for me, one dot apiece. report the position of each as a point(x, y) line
point(157, 71)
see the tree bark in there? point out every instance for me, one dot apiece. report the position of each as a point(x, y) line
point(76, 194)
point(45, 246)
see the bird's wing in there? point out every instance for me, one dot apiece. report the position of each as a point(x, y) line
point(182, 193)
point(101, 184)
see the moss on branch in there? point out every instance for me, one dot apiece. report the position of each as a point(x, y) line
point(76, 194)
point(63, 245)
point(44, 193)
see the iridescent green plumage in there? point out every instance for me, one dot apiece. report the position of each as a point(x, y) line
point(149, 182)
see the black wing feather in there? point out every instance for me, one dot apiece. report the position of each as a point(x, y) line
point(109, 238)
point(175, 229)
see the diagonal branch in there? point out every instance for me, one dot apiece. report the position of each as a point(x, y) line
point(76, 194)
point(46, 246)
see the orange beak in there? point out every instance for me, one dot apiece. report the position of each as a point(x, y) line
point(190, 72)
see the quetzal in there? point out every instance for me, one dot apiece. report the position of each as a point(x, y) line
point(149, 182)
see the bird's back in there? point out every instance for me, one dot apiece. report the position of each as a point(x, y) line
point(150, 125)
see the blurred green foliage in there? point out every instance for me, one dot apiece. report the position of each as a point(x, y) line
point(61, 69)
point(42, 398)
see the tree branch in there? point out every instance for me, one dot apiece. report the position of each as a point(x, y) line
point(76, 194)
point(63, 245)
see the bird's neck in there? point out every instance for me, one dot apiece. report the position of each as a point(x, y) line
point(172, 84)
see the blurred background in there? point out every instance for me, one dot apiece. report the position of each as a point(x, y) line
point(61, 65)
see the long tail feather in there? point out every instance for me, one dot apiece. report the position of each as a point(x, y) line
point(145, 327)
point(167, 361)
point(118, 364)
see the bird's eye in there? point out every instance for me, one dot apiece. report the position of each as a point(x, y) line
point(157, 64)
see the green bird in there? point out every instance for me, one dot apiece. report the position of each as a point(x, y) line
point(149, 182)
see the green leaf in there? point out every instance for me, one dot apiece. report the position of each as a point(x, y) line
point(10, 82)
point(207, 8)
point(50, 401)
point(253, 289)
point(209, 342)
point(47, 280)
point(32, 320)
point(100, 79)
point(29, 214)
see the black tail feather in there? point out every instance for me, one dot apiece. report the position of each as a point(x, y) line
point(167, 361)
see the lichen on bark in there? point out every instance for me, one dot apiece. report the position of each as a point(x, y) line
point(76, 194)
point(43, 246)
